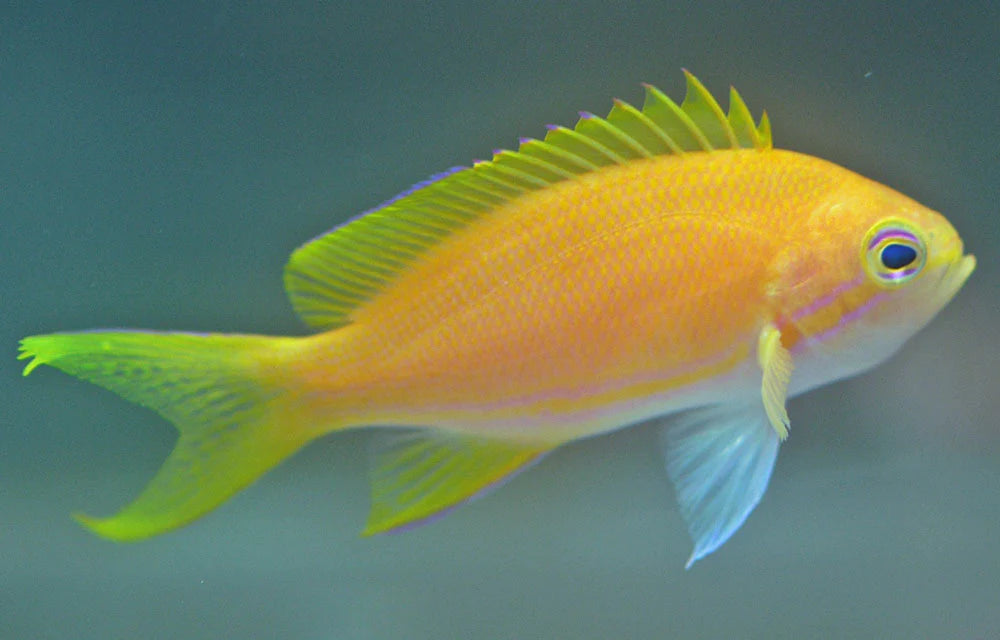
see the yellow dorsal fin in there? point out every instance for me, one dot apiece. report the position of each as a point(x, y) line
point(329, 277)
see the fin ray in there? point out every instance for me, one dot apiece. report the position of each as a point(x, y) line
point(234, 424)
point(611, 137)
point(707, 115)
point(416, 475)
point(776, 365)
point(576, 141)
point(720, 461)
point(556, 155)
point(642, 129)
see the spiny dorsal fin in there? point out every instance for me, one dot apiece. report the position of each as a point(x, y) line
point(332, 275)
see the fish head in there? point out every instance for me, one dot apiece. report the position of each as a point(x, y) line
point(881, 267)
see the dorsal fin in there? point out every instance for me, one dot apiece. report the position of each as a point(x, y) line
point(327, 278)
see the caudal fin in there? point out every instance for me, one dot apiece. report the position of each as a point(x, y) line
point(225, 395)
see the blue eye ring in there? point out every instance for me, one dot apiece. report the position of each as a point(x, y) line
point(893, 253)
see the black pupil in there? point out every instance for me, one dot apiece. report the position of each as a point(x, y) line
point(897, 256)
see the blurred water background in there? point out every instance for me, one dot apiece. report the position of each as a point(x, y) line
point(159, 161)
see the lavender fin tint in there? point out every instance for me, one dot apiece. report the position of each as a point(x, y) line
point(417, 187)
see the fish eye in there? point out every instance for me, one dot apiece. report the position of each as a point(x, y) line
point(897, 256)
point(894, 253)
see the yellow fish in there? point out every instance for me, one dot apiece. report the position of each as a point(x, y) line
point(658, 261)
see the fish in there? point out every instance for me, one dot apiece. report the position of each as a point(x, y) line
point(666, 263)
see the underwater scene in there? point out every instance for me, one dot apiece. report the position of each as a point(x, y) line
point(686, 362)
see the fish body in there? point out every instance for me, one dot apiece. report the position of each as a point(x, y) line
point(656, 262)
point(607, 296)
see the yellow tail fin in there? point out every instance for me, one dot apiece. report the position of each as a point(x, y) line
point(223, 392)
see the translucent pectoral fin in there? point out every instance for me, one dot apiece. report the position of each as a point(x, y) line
point(416, 474)
point(719, 460)
point(776, 366)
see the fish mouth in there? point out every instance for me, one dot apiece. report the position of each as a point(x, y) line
point(953, 276)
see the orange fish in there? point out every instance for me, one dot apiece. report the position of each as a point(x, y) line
point(658, 261)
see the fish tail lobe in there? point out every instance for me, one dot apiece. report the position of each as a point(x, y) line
point(228, 396)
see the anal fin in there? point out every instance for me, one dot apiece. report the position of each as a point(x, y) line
point(416, 474)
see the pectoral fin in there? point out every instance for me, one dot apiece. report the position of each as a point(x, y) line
point(719, 460)
point(776, 364)
point(416, 475)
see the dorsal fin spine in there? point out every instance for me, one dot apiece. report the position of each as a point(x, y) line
point(656, 98)
point(697, 94)
point(407, 222)
point(742, 122)
point(449, 213)
point(538, 147)
point(463, 197)
point(486, 191)
point(645, 121)
point(621, 136)
point(501, 181)
point(458, 198)
point(437, 222)
point(542, 164)
point(591, 143)
point(764, 130)
point(590, 127)
point(695, 130)
point(675, 115)
point(563, 138)
point(520, 175)
point(519, 162)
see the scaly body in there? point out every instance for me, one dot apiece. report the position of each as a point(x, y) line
point(596, 297)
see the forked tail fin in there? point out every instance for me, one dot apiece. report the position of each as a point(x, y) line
point(224, 393)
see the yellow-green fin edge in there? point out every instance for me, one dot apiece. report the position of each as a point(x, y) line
point(329, 277)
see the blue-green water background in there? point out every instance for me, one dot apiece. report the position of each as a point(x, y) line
point(159, 161)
